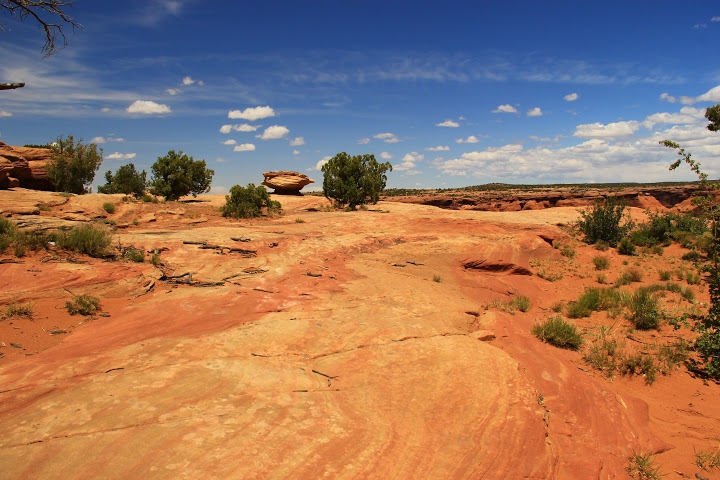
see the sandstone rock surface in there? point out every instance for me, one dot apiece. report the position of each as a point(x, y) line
point(27, 165)
point(367, 369)
point(286, 182)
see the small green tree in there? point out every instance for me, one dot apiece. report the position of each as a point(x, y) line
point(248, 202)
point(354, 181)
point(126, 180)
point(603, 222)
point(73, 165)
point(708, 343)
point(176, 175)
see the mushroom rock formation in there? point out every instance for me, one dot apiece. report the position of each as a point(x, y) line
point(26, 164)
point(286, 182)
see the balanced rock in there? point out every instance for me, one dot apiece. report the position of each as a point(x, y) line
point(26, 165)
point(286, 182)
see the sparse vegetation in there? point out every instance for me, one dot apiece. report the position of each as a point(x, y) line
point(639, 364)
point(83, 305)
point(601, 262)
point(92, 240)
point(642, 466)
point(521, 303)
point(594, 300)
point(109, 207)
point(437, 278)
point(626, 247)
point(18, 310)
point(249, 202)
point(665, 275)
point(708, 460)
point(559, 333)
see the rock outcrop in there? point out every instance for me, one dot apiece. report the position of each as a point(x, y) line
point(25, 167)
point(285, 182)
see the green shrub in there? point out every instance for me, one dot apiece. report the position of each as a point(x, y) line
point(109, 207)
point(83, 305)
point(355, 180)
point(568, 251)
point(626, 247)
point(126, 180)
point(665, 275)
point(559, 333)
point(602, 245)
point(155, 260)
point(639, 364)
point(521, 303)
point(15, 310)
point(73, 165)
point(601, 278)
point(672, 355)
point(644, 312)
point(593, 300)
point(248, 202)
point(135, 255)
point(692, 278)
point(601, 262)
point(89, 239)
point(643, 467)
point(692, 255)
point(437, 278)
point(604, 355)
point(604, 222)
point(176, 175)
point(657, 250)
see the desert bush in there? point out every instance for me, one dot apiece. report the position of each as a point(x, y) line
point(559, 333)
point(644, 312)
point(626, 247)
point(601, 278)
point(672, 355)
point(593, 300)
point(126, 180)
point(83, 305)
point(665, 275)
point(355, 180)
point(89, 239)
point(109, 207)
point(568, 251)
point(16, 310)
point(639, 364)
point(437, 278)
point(642, 466)
point(155, 260)
point(73, 165)
point(604, 353)
point(135, 255)
point(601, 262)
point(708, 460)
point(521, 303)
point(248, 202)
point(605, 221)
point(176, 175)
point(602, 245)
point(549, 276)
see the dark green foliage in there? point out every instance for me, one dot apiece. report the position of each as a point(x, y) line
point(626, 247)
point(83, 305)
point(73, 164)
point(604, 222)
point(601, 263)
point(354, 181)
point(248, 202)
point(639, 364)
point(713, 115)
point(21, 240)
point(559, 333)
point(593, 300)
point(664, 227)
point(692, 256)
point(177, 175)
point(109, 207)
point(126, 180)
point(30, 145)
point(88, 239)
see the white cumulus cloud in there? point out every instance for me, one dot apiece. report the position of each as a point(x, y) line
point(226, 129)
point(611, 130)
point(571, 97)
point(687, 115)
point(470, 139)
point(409, 163)
point(147, 107)
point(363, 141)
point(387, 137)
point(386, 155)
point(244, 147)
point(229, 142)
point(505, 109)
point(296, 152)
point(712, 95)
point(187, 81)
point(121, 156)
point(173, 91)
point(245, 127)
point(4, 113)
point(715, 19)
point(318, 166)
point(297, 142)
point(274, 132)
point(448, 123)
point(439, 148)
point(535, 112)
point(666, 97)
point(252, 113)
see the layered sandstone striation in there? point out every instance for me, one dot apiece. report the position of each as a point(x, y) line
point(286, 182)
point(25, 167)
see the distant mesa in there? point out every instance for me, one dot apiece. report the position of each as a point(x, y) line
point(285, 182)
point(25, 167)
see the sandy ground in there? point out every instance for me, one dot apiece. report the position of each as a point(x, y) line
point(352, 345)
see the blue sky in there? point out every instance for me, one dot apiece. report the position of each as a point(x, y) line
point(451, 93)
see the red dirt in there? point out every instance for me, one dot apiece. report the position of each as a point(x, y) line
point(340, 360)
